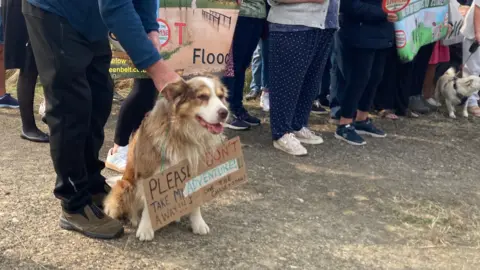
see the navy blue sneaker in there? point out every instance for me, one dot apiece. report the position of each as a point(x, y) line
point(318, 109)
point(7, 101)
point(236, 124)
point(367, 128)
point(251, 120)
point(348, 134)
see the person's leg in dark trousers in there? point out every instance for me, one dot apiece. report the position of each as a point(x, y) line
point(363, 71)
point(349, 61)
point(101, 89)
point(137, 104)
point(313, 78)
point(337, 83)
point(27, 80)
point(245, 39)
point(79, 91)
point(322, 97)
point(420, 65)
point(404, 83)
point(325, 84)
point(376, 74)
point(385, 96)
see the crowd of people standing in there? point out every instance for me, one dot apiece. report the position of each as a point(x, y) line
point(356, 70)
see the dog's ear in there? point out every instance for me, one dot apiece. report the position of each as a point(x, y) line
point(469, 82)
point(175, 90)
point(219, 85)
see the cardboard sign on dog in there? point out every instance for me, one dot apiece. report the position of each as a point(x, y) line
point(177, 190)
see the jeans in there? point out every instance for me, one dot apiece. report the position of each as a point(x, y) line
point(79, 93)
point(260, 67)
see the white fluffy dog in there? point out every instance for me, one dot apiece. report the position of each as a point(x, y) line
point(455, 91)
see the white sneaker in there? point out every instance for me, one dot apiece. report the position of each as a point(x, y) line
point(433, 102)
point(41, 109)
point(307, 136)
point(289, 144)
point(265, 101)
point(117, 161)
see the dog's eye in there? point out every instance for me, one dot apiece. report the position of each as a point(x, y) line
point(203, 97)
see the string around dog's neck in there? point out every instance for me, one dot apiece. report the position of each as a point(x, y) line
point(461, 97)
point(163, 151)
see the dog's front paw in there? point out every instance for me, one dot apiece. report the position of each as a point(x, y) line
point(145, 234)
point(465, 114)
point(199, 226)
point(452, 115)
point(134, 220)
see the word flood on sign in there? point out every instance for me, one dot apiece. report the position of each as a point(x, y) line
point(177, 190)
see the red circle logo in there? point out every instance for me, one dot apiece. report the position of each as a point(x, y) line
point(164, 32)
point(400, 38)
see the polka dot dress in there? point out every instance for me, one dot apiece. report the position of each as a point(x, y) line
point(296, 63)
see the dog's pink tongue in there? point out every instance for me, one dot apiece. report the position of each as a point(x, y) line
point(215, 129)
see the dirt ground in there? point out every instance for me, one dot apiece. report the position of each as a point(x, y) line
point(410, 201)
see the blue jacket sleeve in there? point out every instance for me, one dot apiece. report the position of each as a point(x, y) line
point(125, 23)
point(363, 11)
point(147, 10)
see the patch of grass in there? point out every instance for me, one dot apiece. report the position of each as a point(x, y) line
point(248, 80)
point(429, 222)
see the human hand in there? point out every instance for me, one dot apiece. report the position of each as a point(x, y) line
point(463, 10)
point(392, 17)
point(162, 75)
point(155, 39)
point(477, 37)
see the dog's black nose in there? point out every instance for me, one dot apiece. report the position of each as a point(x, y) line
point(222, 114)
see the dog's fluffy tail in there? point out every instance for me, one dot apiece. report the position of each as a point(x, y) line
point(118, 202)
point(111, 181)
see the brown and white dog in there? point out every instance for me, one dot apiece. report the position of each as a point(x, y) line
point(183, 128)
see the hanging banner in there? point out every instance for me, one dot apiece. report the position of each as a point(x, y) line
point(457, 19)
point(420, 22)
point(195, 35)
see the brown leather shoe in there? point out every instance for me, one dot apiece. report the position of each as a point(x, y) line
point(98, 198)
point(92, 222)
